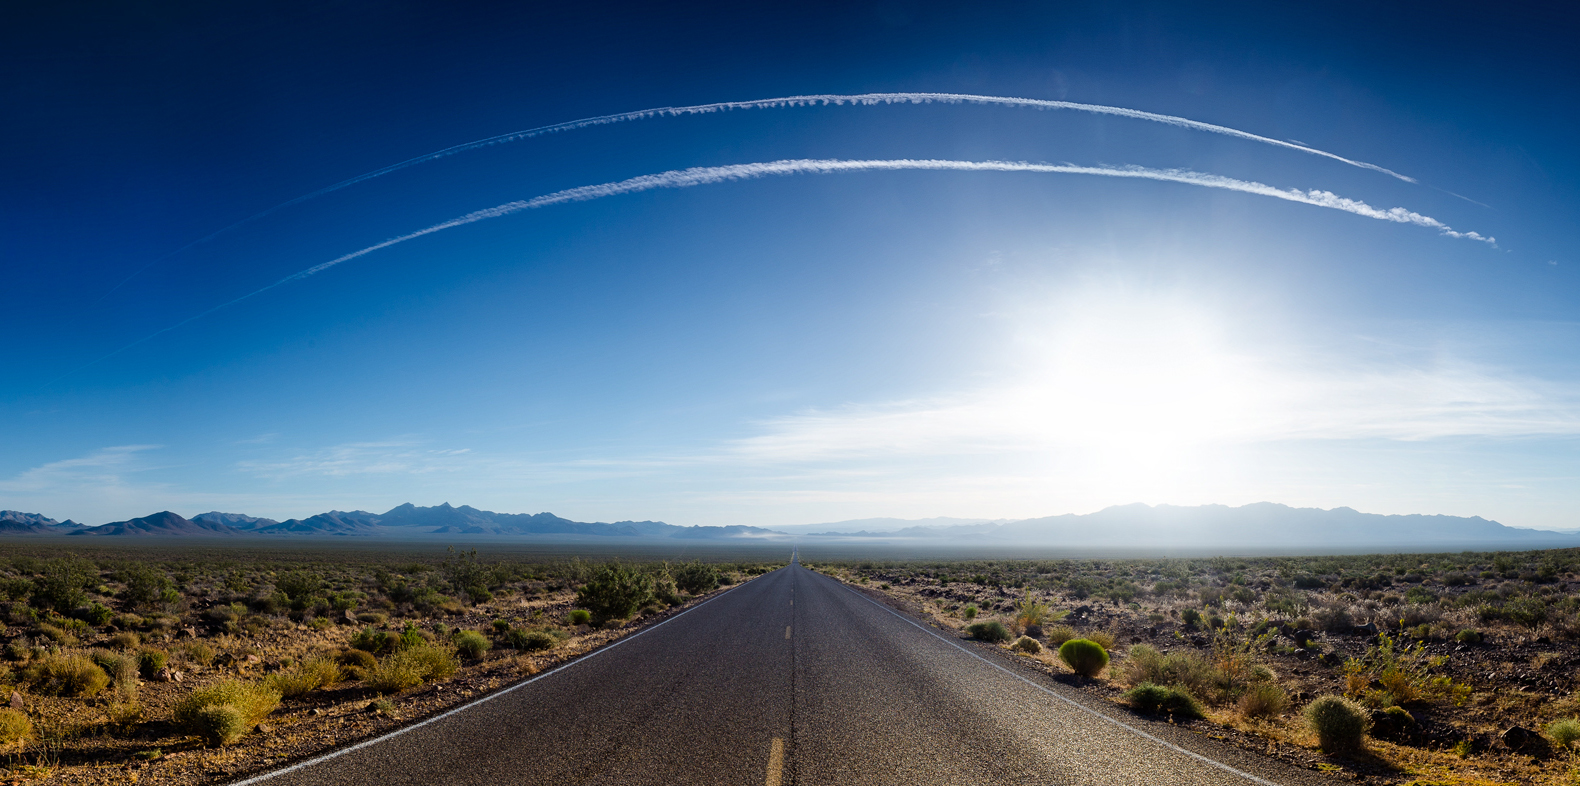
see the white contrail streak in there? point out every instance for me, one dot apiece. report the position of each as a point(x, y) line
point(859, 99)
point(706, 175)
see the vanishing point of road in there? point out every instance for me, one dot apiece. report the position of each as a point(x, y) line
point(791, 678)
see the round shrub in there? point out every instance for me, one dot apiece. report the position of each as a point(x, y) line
point(1085, 657)
point(1027, 644)
point(251, 701)
point(615, 592)
point(1340, 724)
point(1564, 731)
point(126, 640)
point(150, 663)
point(409, 668)
point(579, 617)
point(1157, 699)
point(992, 630)
point(471, 644)
point(305, 677)
point(1468, 636)
point(531, 640)
point(970, 612)
point(15, 730)
point(218, 724)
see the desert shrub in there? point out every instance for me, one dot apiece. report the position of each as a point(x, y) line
point(1468, 636)
point(15, 730)
point(530, 640)
point(56, 634)
point(579, 617)
point(1027, 644)
point(71, 674)
point(250, 701)
point(1263, 700)
point(1059, 634)
point(992, 630)
point(60, 584)
point(696, 578)
point(1102, 638)
point(126, 640)
point(501, 626)
point(198, 652)
point(95, 614)
point(305, 677)
point(374, 641)
point(1564, 731)
point(1340, 724)
point(1333, 619)
point(18, 650)
point(408, 668)
point(150, 663)
point(218, 724)
point(1183, 668)
point(1157, 699)
point(373, 617)
point(319, 623)
point(145, 584)
point(471, 644)
point(1084, 657)
point(356, 663)
point(121, 667)
point(969, 612)
point(615, 592)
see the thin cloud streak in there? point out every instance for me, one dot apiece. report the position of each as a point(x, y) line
point(860, 99)
point(699, 176)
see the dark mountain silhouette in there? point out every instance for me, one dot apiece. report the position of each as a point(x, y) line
point(341, 523)
point(162, 524)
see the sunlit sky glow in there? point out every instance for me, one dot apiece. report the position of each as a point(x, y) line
point(686, 330)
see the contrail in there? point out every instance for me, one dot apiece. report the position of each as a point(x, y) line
point(859, 99)
point(707, 175)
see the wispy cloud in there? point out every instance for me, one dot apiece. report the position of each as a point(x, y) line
point(105, 467)
point(392, 457)
point(700, 176)
point(860, 99)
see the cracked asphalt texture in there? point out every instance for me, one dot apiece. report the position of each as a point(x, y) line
point(857, 694)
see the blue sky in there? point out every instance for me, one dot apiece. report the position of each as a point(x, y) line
point(788, 348)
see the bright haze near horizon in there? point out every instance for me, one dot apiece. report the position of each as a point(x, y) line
point(790, 348)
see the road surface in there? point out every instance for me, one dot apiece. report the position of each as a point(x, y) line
point(791, 678)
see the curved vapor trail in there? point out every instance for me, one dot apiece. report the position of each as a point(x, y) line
point(861, 99)
point(707, 175)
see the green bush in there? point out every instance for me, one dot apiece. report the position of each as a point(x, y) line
point(579, 617)
point(1027, 644)
point(696, 578)
point(305, 677)
point(376, 642)
point(95, 614)
point(251, 701)
point(1468, 636)
point(1084, 657)
point(16, 729)
point(61, 582)
point(67, 675)
point(1263, 700)
point(1183, 668)
point(615, 592)
point(970, 612)
point(1564, 731)
point(471, 644)
point(1157, 699)
point(150, 662)
point(1340, 724)
point(218, 724)
point(531, 640)
point(992, 630)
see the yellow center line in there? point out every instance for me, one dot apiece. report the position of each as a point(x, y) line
point(776, 763)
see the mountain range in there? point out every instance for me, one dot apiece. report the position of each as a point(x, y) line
point(1260, 527)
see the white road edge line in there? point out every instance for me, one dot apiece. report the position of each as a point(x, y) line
point(557, 669)
point(1073, 703)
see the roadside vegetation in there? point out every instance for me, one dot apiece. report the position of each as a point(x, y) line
point(1426, 668)
point(203, 667)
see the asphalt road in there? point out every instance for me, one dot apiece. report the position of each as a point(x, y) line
point(790, 679)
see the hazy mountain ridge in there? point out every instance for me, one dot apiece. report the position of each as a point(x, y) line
point(15, 522)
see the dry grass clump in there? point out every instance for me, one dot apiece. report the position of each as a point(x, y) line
point(471, 644)
point(1263, 700)
point(1059, 634)
point(126, 640)
point(71, 674)
point(1027, 644)
point(222, 712)
point(15, 730)
point(1340, 724)
point(305, 677)
point(409, 668)
point(198, 652)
